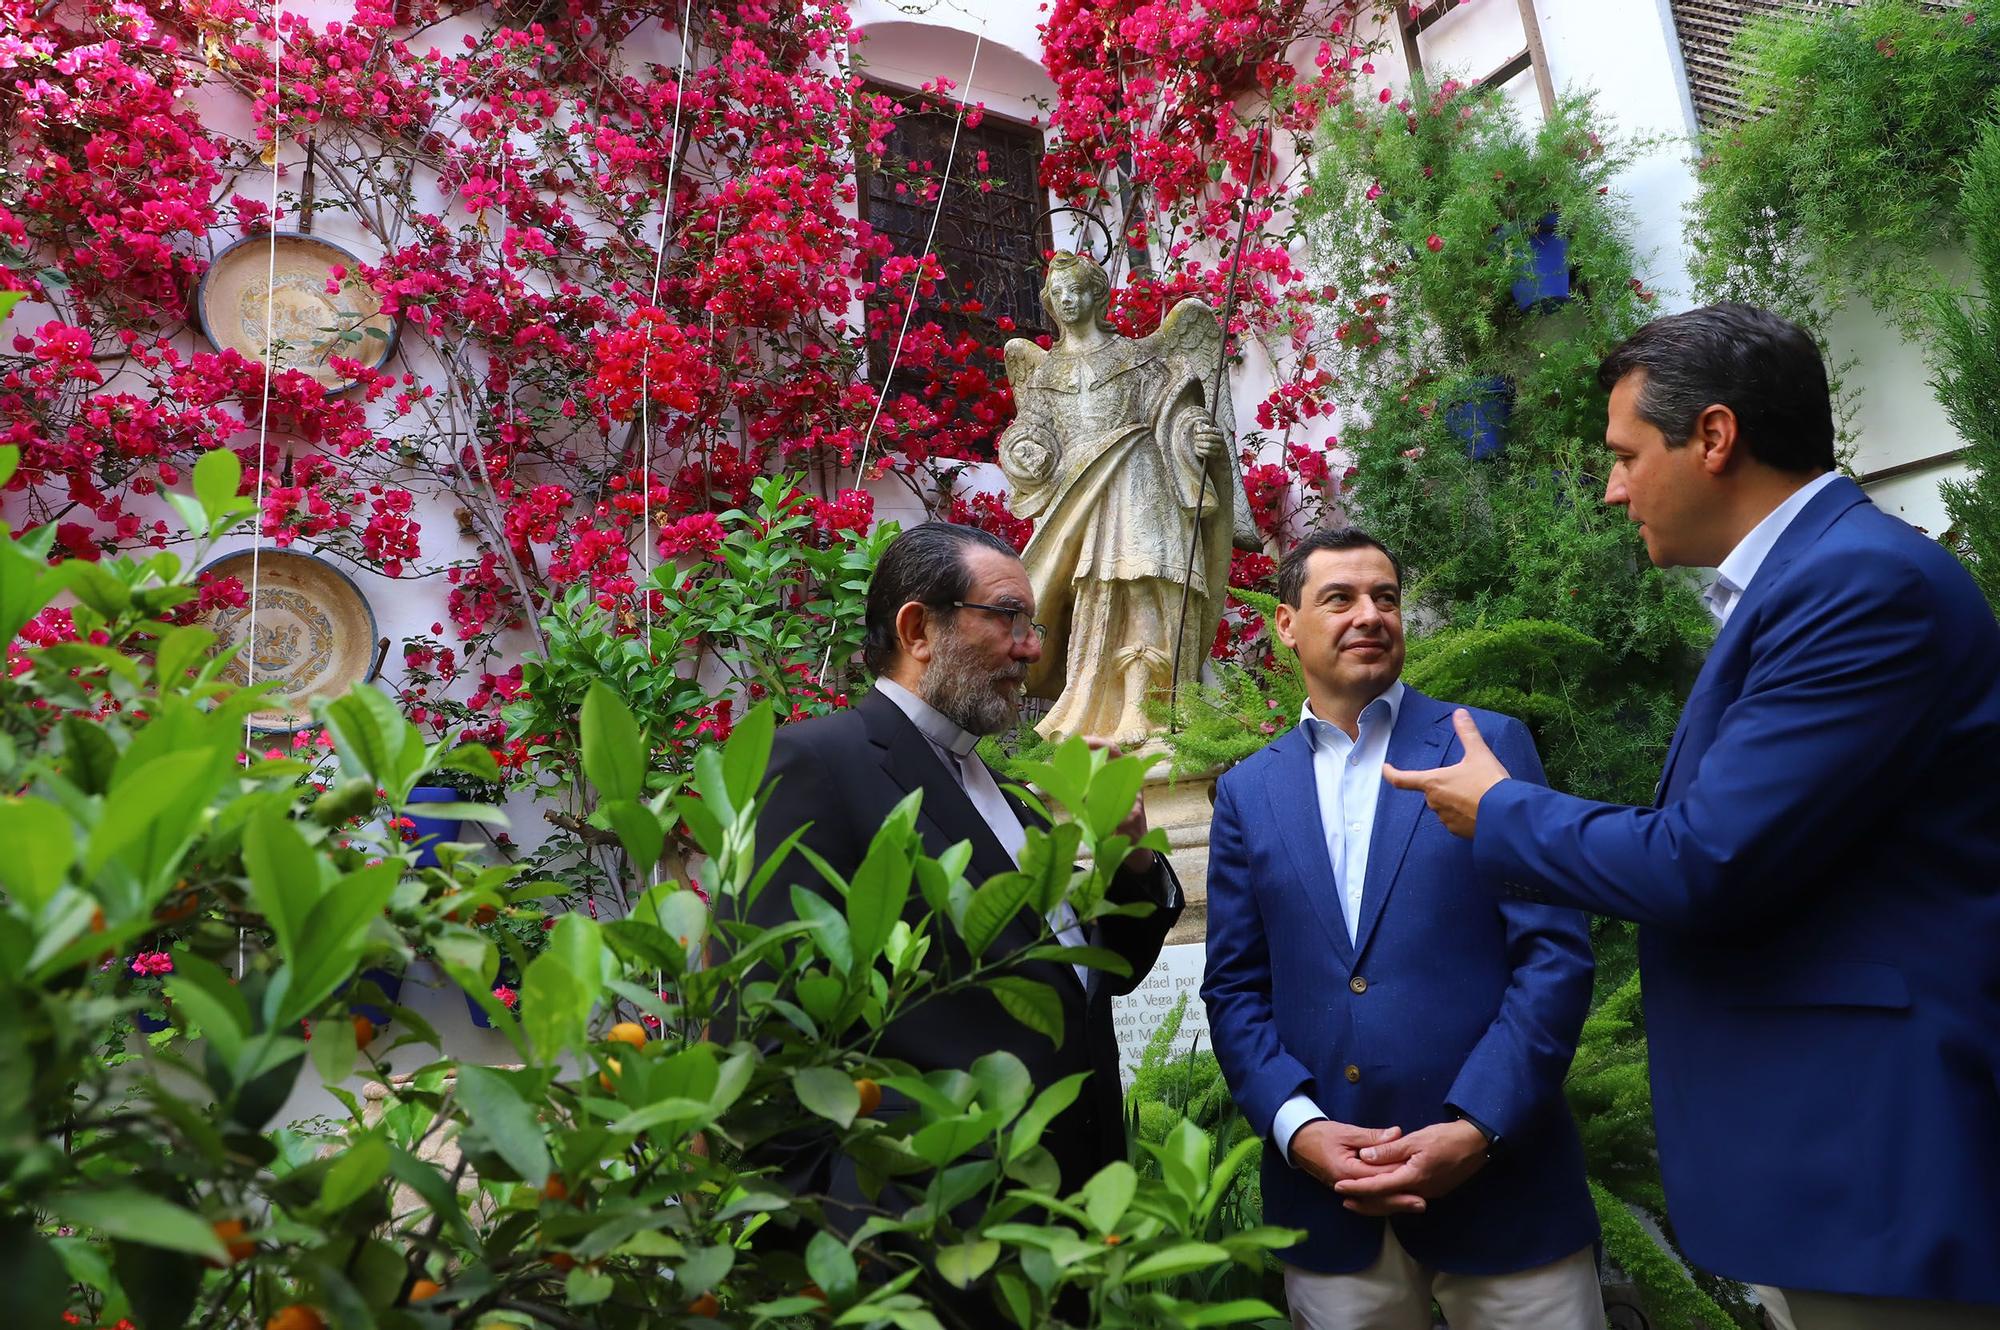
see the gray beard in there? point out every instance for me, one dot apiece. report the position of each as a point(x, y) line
point(960, 688)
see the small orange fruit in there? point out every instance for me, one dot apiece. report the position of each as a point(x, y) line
point(97, 920)
point(298, 1316)
point(485, 914)
point(230, 1233)
point(628, 1032)
point(364, 1031)
point(1112, 1239)
point(705, 1305)
point(562, 1261)
point(425, 1288)
point(604, 1078)
point(871, 1095)
point(555, 1189)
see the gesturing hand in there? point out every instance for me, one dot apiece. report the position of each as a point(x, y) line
point(1335, 1154)
point(1426, 1164)
point(1454, 792)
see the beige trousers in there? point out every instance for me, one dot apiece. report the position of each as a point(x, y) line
point(1395, 1293)
point(1803, 1309)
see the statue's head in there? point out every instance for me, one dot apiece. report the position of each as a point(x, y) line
point(1080, 275)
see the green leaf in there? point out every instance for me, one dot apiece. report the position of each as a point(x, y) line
point(831, 1266)
point(638, 828)
point(181, 650)
point(33, 1274)
point(704, 1268)
point(154, 806)
point(1050, 1103)
point(1184, 1258)
point(136, 1216)
point(586, 1287)
point(828, 1092)
point(993, 908)
point(1032, 1003)
point(217, 478)
point(1108, 1195)
point(747, 754)
point(938, 1143)
point(373, 739)
point(1112, 793)
point(614, 751)
point(876, 895)
point(10, 456)
point(357, 1171)
point(1199, 1315)
point(1004, 1083)
point(829, 929)
point(205, 994)
point(334, 935)
point(1096, 958)
point(505, 1121)
point(966, 1262)
point(41, 846)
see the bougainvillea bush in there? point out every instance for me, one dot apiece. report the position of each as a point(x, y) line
point(626, 262)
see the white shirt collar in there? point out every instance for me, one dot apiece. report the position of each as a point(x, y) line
point(1391, 699)
point(1734, 574)
point(939, 728)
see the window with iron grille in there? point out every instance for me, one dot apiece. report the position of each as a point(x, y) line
point(991, 227)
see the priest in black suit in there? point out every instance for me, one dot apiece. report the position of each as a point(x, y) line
point(950, 635)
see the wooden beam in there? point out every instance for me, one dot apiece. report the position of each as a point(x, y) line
point(1917, 464)
point(1517, 62)
point(1538, 56)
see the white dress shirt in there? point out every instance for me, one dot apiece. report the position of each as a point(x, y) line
point(1347, 778)
point(1733, 574)
point(954, 746)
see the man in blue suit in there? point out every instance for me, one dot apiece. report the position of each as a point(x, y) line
point(1397, 1034)
point(1818, 884)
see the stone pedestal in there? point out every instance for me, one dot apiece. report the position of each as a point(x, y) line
point(1181, 808)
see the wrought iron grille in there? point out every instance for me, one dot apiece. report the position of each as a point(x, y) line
point(991, 233)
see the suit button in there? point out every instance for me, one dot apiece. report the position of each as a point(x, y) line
point(1358, 984)
point(1353, 1074)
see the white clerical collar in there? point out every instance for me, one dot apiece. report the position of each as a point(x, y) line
point(1390, 699)
point(939, 728)
point(1742, 563)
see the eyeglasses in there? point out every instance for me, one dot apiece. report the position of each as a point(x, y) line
point(1019, 622)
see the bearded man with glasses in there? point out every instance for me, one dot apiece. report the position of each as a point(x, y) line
point(950, 636)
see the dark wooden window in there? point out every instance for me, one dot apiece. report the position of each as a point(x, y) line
point(991, 231)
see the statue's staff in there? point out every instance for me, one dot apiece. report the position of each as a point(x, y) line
point(1214, 396)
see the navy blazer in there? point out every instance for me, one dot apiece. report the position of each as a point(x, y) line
point(1819, 895)
point(1449, 999)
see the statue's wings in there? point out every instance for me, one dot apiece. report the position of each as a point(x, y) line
point(1190, 338)
point(1023, 359)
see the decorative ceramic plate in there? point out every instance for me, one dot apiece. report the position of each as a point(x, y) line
point(315, 632)
point(309, 326)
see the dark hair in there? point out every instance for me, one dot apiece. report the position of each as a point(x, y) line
point(925, 564)
point(1292, 568)
point(1765, 369)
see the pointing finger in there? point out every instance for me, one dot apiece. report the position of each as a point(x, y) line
point(1406, 780)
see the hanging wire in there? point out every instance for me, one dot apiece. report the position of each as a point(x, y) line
point(264, 405)
point(646, 346)
point(916, 279)
point(916, 276)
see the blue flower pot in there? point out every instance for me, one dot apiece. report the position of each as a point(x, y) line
point(1479, 417)
point(431, 831)
point(150, 1024)
point(1543, 282)
point(477, 1012)
point(392, 988)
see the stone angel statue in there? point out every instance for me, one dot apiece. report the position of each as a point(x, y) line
point(1111, 440)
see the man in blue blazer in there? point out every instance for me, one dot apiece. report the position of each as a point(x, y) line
point(1818, 884)
point(1397, 1034)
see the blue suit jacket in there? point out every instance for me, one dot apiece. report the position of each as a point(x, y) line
point(1819, 890)
point(1465, 1002)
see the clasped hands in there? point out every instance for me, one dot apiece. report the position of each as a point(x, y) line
point(1380, 1171)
